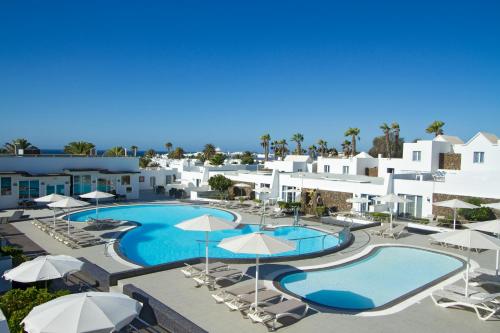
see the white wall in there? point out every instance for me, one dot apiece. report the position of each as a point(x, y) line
point(479, 144)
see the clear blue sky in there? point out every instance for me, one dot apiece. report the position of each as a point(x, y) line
point(192, 72)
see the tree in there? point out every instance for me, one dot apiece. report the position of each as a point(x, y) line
point(115, 151)
point(144, 161)
point(395, 128)
point(79, 148)
point(436, 128)
point(387, 132)
point(379, 146)
point(312, 150)
point(134, 149)
point(209, 151)
point(150, 153)
point(264, 142)
point(298, 139)
point(322, 147)
point(218, 159)
point(220, 184)
point(247, 158)
point(168, 146)
point(346, 147)
point(10, 147)
point(333, 152)
point(353, 132)
point(176, 154)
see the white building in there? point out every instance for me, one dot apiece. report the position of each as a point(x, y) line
point(30, 177)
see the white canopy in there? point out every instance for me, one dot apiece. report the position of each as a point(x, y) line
point(495, 205)
point(51, 198)
point(257, 243)
point(455, 204)
point(68, 202)
point(44, 268)
point(83, 312)
point(97, 195)
point(207, 223)
point(492, 226)
point(470, 239)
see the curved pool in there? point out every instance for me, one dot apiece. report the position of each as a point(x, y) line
point(157, 241)
point(385, 276)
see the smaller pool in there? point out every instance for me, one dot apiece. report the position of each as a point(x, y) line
point(382, 278)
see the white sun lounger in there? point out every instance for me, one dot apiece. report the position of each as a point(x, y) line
point(227, 294)
point(484, 307)
point(245, 301)
point(378, 231)
point(193, 270)
point(289, 308)
point(210, 279)
point(395, 232)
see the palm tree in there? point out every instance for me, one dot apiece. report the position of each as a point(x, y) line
point(168, 145)
point(346, 147)
point(387, 132)
point(275, 147)
point(322, 147)
point(353, 132)
point(436, 127)
point(264, 142)
point(395, 128)
point(14, 145)
point(283, 147)
point(115, 151)
point(79, 148)
point(134, 149)
point(298, 138)
point(209, 151)
point(312, 151)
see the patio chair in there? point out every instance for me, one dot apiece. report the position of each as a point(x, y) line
point(193, 270)
point(484, 307)
point(395, 232)
point(246, 301)
point(228, 294)
point(212, 278)
point(290, 308)
point(378, 231)
point(17, 215)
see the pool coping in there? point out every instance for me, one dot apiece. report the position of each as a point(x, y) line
point(398, 304)
point(138, 269)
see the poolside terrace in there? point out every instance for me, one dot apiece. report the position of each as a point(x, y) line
point(196, 304)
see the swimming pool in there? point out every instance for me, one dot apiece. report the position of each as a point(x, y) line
point(158, 241)
point(382, 278)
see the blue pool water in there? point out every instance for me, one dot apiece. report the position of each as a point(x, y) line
point(157, 241)
point(385, 275)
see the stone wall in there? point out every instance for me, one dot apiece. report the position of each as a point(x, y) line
point(329, 198)
point(242, 191)
point(448, 212)
point(372, 172)
point(450, 161)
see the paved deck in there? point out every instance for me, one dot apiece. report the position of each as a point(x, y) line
point(196, 304)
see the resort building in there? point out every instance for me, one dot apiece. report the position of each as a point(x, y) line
point(24, 178)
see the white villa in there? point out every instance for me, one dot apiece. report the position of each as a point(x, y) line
point(429, 171)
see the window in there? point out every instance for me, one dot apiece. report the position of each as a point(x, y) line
point(82, 184)
point(326, 168)
point(152, 181)
point(345, 169)
point(288, 193)
point(29, 189)
point(125, 180)
point(141, 179)
point(6, 186)
point(417, 156)
point(478, 157)
point(168, 179)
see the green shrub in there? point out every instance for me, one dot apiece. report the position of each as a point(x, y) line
point(294, 204)
point(17, 303)
point(320, 211)
point(16, 253)
point(220, 184)
point(478, 214)
point(284, 205)
point(381, 217)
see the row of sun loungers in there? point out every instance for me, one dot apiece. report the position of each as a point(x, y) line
point(270, 211)
point(102, 223)
point(76, 238)
point(271, 305)
point(385, 231)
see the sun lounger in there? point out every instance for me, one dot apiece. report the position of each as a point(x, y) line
point(17, 215)
point(395, 232)
point(210, 279)
point(290, 308)
point(473, 292)
point(480, 279)
point(227, 294)
point(246, 301)
point(193, 270)
point(484, 307)
point(378, 231)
